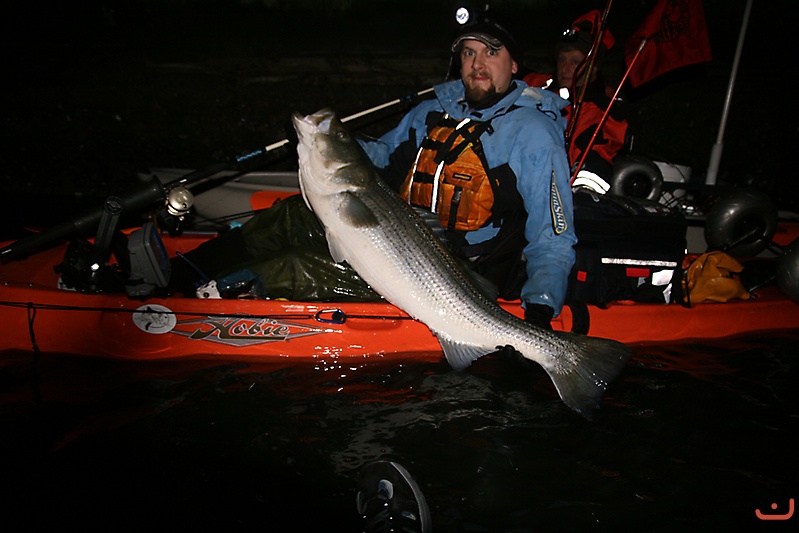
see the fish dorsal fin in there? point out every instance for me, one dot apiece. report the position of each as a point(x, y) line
point(355, 213)
point(433, 222)
point(460, 355)
point(485, 285)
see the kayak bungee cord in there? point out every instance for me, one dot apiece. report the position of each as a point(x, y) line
point(337, 315)
point(34, 345)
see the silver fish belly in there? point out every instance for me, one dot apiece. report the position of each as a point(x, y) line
point(370, 227)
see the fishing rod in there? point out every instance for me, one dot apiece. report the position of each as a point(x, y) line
point(599, 25)
point(346, 119)
point(607, 110)
point(175, 194)
point(247, 159)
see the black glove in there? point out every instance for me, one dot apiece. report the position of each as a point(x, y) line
point(538, 315)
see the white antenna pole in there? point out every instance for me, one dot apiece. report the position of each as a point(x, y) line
point(715, 155)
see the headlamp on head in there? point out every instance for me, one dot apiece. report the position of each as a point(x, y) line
point(466, 15)
point(580, 36)
point(570, 35)
point(476, 24)
point(462, 15)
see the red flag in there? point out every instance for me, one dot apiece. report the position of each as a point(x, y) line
point(676, 36)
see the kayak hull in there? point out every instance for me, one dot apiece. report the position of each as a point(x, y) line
point(36, 315)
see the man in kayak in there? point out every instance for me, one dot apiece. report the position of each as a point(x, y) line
point(486, 154)
point(569, 74)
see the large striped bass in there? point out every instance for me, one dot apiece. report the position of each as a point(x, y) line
point(391, 247)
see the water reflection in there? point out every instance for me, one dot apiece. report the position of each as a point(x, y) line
point(241, 444)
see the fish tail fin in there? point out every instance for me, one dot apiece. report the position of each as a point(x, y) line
point(582, 377)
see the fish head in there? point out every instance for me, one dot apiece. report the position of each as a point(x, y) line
point(331, 161)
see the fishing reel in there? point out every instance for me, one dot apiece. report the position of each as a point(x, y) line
point(179, 201)
point(176, 208)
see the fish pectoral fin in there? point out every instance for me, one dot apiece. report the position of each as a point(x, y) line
point(355, 213)
point(460, 355)
point(337, 251)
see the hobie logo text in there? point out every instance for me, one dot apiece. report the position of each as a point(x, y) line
point(237, 331)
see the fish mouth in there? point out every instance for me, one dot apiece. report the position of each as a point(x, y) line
point(302, 125)
point(319, 121)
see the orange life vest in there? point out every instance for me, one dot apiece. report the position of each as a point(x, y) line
point(449, 176)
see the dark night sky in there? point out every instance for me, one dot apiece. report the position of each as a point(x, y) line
point(65, 39)
point(53, 26)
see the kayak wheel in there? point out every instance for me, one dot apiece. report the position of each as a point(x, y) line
point(636, 177)
point(788, 271)
point(741, 223)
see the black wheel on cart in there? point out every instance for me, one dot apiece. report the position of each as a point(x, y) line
point(636, 177)
point(741, 223)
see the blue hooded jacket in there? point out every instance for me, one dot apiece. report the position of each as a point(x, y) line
point(529, 137)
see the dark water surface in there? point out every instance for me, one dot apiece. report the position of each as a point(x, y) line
point(691, 437)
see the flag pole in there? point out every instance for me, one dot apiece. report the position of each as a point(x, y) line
point(715, 154)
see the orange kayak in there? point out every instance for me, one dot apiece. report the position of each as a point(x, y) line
point(35, 315)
